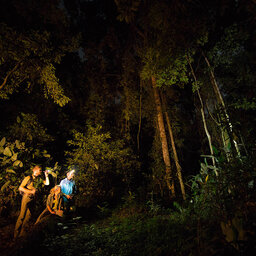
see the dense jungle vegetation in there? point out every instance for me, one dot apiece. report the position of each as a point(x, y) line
point(153, 103)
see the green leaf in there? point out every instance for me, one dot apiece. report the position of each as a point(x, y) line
point(17, 143)
point(1, 150)
point(215, 150)
point(7, 152)
point(17, 163)
point(177, 206)
point(2, 142)
point(10, 171)
point(250, 184)
point(6, 161)
point(5, 185)
point(14, 157)
point(216, 172)
point(53, 174)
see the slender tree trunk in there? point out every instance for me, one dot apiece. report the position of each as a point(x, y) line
point(203, 115)
point(163, 137)
point(226, 126)
point(207, 132)
point(175, 155)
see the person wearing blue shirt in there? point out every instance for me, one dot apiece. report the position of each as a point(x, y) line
point(68, 190)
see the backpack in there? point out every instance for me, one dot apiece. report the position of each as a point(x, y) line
point(28, 183)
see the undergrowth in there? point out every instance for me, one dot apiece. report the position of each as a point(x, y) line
point(175, 231)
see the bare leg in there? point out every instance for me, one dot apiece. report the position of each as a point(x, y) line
point(44, 213)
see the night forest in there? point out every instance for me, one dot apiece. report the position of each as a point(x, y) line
point(152, 103)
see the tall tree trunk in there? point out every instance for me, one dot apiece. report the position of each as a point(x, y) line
point(226, 126)
point(203, 115)
point(175, 155)
point(163, 137)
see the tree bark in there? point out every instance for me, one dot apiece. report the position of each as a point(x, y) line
point(175, 155)
point(163, 137)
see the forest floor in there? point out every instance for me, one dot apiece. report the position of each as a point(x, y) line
point(6, 236)
point(10, 247)
point(94, 238)
point(160, 235)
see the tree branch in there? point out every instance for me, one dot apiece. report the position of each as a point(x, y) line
point(8, 74)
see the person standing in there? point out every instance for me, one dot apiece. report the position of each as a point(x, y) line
point(68, 189)
point(28, 189)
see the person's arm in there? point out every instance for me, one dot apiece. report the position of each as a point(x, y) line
point(62, 184)
point(50, 210)
point(48, 205)
point(68, 196)
point(46, 181)
point(25, 190)
point(74, 190)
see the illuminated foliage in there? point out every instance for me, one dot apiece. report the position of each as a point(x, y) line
point(28, 129)
point(52, 88)
point(29, 54)
point(102, 162)
point(16, 159)
point(27, 60)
